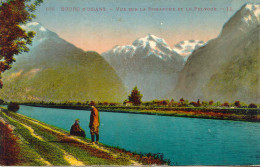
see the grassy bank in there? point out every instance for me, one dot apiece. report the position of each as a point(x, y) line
point(238, 114)
point(42, 144)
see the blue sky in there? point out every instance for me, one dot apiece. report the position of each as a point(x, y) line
point(100, 31)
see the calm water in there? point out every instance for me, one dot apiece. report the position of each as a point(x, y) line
point(185, 141)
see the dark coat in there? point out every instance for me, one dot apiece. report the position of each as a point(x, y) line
point(77, 131)
point(94, 118)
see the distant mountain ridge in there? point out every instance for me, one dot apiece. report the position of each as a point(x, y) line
point(55, 70)
point(185, 48)
point(228, 67)
point(149, 63)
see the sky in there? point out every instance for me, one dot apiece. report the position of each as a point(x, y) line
point(80, 23)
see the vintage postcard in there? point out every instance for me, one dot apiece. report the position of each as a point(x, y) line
point(129, 82)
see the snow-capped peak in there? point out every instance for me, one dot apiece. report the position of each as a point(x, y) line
point(34, 26)
point(254, 8)
point(185, 48)
point(41, 33)
point(251, 13)
point(149, 46)
point(150, 40)
point(244, 20)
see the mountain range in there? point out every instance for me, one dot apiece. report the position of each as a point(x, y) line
point(55, 70)
point(226, 68)
point(149, 63)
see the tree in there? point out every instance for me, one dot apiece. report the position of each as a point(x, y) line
point(9, 146)
point(135, 96)
point(237, 104)
point(92, 103)
point(226, 104)
point(14, 39)
point(252, 105)
point(198, 103)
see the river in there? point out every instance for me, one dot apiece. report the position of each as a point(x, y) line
point(185, 141)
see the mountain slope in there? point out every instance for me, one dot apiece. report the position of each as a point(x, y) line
point(185, 48)
point(227, 68)
point(55, 70)
point(148, 63)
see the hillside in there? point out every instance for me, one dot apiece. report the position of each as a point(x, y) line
point(55, 70)
point(227, 68)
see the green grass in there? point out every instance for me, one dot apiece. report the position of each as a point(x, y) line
point(54, 141)
point(46, 150)
point(82, 154)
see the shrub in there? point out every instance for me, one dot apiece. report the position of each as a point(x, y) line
point(237, 104)
point(193, 103)
point(8, 145)
point(13, 107)
point(252, 105)
point(205, 103)
point(226, 104)
point(211, 102)
point(92, 103)
point(2, 101)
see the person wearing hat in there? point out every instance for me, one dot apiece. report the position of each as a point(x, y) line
point(94, 124)
point(76, 129)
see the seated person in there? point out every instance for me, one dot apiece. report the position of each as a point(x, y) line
point(76, 129)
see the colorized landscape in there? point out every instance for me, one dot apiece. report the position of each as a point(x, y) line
point(155, 83)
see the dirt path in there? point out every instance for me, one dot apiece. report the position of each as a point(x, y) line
point(68, 157)
point(72, 160)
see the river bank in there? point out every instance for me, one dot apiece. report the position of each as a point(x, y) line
point(236, 114)
point(41, 144)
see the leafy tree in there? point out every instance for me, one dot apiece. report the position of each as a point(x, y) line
point(181, 100)
point(198, 103)
point(226, 104)
point(135, 96)
point(92, 103)
point(14, 39)
point(237, 104)
point(211, 102)
point(205, 103)
point(10, 149)
point(252, 105)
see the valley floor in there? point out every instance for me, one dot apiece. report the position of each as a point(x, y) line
point(42, 144)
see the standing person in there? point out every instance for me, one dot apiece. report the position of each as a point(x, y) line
point(94, 124)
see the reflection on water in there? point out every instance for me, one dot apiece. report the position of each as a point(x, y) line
point(185, 141)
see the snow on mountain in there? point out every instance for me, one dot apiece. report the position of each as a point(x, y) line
point(227, 68)
point(55, 70)
point(185, 48)
point(148, 63)
point(41, 33)
point(246, 19)
point(152, 45)
point(254, 11)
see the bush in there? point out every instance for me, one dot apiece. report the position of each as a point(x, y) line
point(237, 104)
point(252, 105)
point(226, 104)
point(8, 145)
point(92, 103)
point(13, 107)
